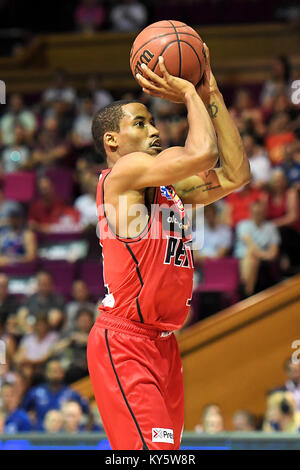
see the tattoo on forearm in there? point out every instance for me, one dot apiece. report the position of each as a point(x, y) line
point(213, 110)
point(205, 187)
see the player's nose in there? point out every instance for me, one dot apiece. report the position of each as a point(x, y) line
point(153, 132)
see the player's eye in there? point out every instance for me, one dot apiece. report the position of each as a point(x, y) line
point(139, 123)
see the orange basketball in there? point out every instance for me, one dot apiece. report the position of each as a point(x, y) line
point(179, 44)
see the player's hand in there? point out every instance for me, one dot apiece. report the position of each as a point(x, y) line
point(208, 83)
point(166, 87)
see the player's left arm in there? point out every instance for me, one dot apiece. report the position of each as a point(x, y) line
point(234, 169)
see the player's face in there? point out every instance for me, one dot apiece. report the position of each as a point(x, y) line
point(137, 131)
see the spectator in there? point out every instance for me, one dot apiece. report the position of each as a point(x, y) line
point(53, 422)
point(59, 91)
point(52, 394)
point(49, 214)
point(81, 300)
point(16, 156)
point(8, 347)
point(100, 96)
point(281, 414)
point(17, 114)
point(291, 164)
point(72, 417)
point(6, 207)
point(2, 422)
point(8, 302)
point(216, 237)
point(36, 348)
point(89, 16)
point(16, 419)
point(278, 136)
point(243, 421)
point(51, 149)
point(212, 420)
point(292, 384)
point(81, 131)
point(86, 202)
point(283, 211)
point(73, 344)
point(128, 15)
point(279, 80)
point(257, 244)
point(43, 300)
point(259, 162)
point(17, 242)
point(246, 115)
point(238, 203)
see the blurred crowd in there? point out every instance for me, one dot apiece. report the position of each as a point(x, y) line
point(45, 332)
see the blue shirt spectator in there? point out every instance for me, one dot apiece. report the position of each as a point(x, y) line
point(52, 394)
point(16, 419)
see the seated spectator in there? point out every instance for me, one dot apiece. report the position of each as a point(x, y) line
point(17, 243)
point(6, 207)
point(16, 419)
point(81, 300)
point(247, 116)
point(17, 114)
point(292, 384)
point(283, 211)
point(257, 243)
point(237, 204)
point(89, 16)
point(128, 15)
point(53, 422)
point(2, 422)
point(86, 202)
point(280, 79)
point(281, 415)
point(52, 394)
point(260, 165)
point(243, 421)
point(212, 420)
point(279, 134)
point(36, 348)
point(51, 149)
point(45, 298)
point(8, 346)
point(59, 91)
point(100, 96)
point(72, 417)
point(217, 237)
point(82, 125)
point(291, 164)
point(72, 346)
point(48, 214)
point(8, 302)
point(16, 157)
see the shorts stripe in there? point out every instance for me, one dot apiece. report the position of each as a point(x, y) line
point(145, 447)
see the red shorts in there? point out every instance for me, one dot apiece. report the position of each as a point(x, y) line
point(136, 374)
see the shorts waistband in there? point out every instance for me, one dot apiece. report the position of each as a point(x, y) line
point(123, 324)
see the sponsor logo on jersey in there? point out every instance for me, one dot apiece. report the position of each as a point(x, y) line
point(163, 435)
point(170, 193)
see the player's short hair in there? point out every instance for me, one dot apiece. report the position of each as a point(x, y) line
point(107, 119)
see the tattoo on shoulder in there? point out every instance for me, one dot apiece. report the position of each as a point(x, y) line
point(208, 186)
point(213, 110)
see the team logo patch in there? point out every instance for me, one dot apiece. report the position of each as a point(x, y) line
point(163, 435)
point(169, 193)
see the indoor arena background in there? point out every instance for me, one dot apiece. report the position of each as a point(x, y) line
point(59, 63)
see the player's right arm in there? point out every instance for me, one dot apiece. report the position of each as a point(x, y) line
point(200, 152)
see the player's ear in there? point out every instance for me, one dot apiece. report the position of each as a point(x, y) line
point(111, 139)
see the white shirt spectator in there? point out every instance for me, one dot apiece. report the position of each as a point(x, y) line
point(214, 239)
point(82, 128)
point(264, 235)
point(128, 16)
point(86, 205)
point(260, 168)
point(36, 349)
point(7, 125)
point(66, 94)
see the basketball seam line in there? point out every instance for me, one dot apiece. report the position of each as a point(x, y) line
point(185, 42)
point(157, 37)
point(165, 48)
point(179, 49)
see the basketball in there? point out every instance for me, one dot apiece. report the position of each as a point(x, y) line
point(179, 44)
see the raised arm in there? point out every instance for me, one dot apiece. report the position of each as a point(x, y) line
point(234, 169)
point(140, 170)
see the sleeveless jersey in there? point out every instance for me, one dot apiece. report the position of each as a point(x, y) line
point(149, 279)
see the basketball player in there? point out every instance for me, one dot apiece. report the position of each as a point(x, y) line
point(133, 358)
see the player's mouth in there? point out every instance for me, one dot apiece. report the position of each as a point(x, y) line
point(156, 144)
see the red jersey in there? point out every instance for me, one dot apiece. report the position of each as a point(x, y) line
point(149, 279)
